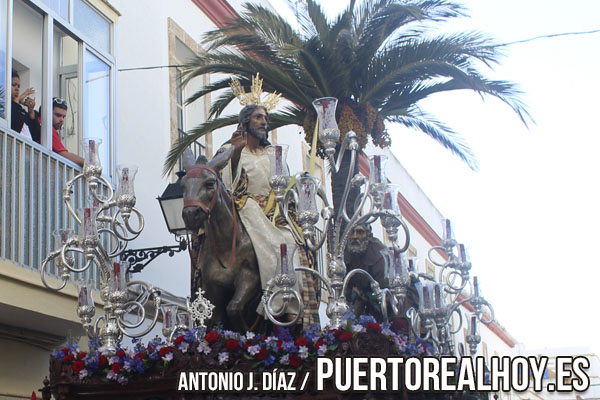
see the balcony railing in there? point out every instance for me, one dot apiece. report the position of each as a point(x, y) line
point(31, 205)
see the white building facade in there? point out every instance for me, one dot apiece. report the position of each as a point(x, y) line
point(115, 65)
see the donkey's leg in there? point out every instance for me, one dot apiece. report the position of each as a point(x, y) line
point(247, 284)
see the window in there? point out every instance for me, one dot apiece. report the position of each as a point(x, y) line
point(185, 117)
point(60, 6)
point(66, 86)
point(27, 51)
point(96, 112)
point(92, 24)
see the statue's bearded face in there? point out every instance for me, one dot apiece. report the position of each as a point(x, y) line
point(359, 241)
point(258, 124)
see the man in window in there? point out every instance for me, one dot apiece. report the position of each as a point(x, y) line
point(59, 112)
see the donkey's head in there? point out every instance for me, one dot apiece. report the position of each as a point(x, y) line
point(201, 187)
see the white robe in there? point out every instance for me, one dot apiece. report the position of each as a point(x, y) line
point(263, 232)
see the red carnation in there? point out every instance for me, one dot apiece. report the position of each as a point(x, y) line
point(116, 368)
point(246, 346)
point(280, 344)
point(231, 344)
point(295, 361)
point(320, 343)
point(78, 366)
point(301, 341)
point(120, 353)
point(139, 356)
point(102, 361)
point(334, 331)
point(212, 337)
point(81, 355)
point(65, 350)
point(261, 354)
point(149, 347)
point(373, 327)
point(68, 357)
point(345, 336)
point(164, 351)
point(179, 339)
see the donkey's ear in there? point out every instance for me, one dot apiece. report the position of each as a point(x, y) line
point(188, 159)
point(221, 159)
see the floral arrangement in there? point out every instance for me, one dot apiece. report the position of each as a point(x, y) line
point(227, 350)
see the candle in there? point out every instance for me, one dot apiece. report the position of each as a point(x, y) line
point(447, 225)
point(437, 292)
point(476, 286)
point(463, 254)
point(377, 169)
point(278, 166)
point(117, 276)
point(387, 201)
point(64, 235)
point(284, 262)
point(427, 298)
point(168, 318)
point(412, 264)
point(397, 262)
point(83, 296)
point(473, 324)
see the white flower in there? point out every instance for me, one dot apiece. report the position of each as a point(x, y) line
point(168, 357)
point(303, 352)
point(203, 347)
point(271, 339)
point(122, 380)
point(114, 359)
point(184, 347)
point(111, 375)
point(127, 366)
point(253, 350)
point(250, 335)
point(223, 357)
point(83, 373)
point(358, 328)
point(322, 350)
point(285, 360)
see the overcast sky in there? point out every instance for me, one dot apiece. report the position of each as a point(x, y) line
point(530, 215)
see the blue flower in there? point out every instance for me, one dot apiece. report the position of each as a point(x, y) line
point(269, 360)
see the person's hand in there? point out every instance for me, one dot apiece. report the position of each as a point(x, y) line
point(29, 102)
point(238, 139)
point(23, 96)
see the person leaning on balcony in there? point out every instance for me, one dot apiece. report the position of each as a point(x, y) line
point(59, 112)
point(24, 122)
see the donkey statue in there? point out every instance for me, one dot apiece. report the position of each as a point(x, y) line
point(225, 258)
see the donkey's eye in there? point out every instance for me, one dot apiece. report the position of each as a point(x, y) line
point(210, 184)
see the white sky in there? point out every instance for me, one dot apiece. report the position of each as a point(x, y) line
point(530, 217)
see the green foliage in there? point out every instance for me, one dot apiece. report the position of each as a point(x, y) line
point(378, 51)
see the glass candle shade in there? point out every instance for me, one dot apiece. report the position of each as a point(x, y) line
point(439, 300)
point(88, 228)
point(126, 174)
point(447, 231)
point(285, 258)
point(91, 153)
point(278, 160)
point(390, 199)
point(185, 319)
point(395, 264)
point(85, 294)
point(476, 286)
point(426, 300)
point(169, 313)
point(118, 277)
point(61, 236)
point(329, 133)
point(306, 188)
point(377, 173)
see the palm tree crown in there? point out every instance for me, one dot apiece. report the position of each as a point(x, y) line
point(378, 57)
